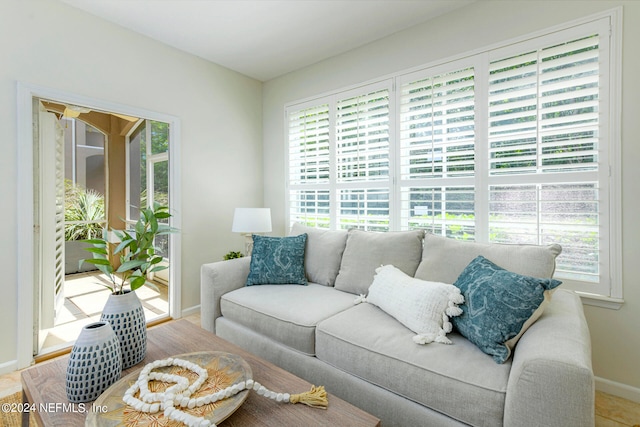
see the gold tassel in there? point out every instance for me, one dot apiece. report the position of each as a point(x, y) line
point(316, 398)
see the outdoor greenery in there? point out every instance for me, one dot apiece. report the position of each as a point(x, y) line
point(137, 253)
point(82, 205)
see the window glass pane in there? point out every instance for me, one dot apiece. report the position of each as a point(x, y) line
point(161, 182)
point(362, 138)
point(569, 86)
point(570, 217)
point(543, 108)
point(84, 175)
point(159, 137)
point(513, 214)
point(437, 126)
point(447, 211)
point(542, 214)
point(309, 145)
point(309, 207)
point(364, 209)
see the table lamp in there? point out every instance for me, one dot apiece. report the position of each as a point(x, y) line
point(251, 221)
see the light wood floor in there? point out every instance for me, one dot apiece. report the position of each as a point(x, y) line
point(611, 411)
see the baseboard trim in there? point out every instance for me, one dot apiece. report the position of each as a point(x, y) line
point(618, 389)
point(8, 367)
point(191, 310)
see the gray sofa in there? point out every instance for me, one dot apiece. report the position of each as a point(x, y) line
point(363, 355)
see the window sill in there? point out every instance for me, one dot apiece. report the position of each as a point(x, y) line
point(601, 301)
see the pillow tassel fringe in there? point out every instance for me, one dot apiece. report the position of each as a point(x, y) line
point(453, 310)
point(442, 338)
point(446, 324)
point(424, 338)
point(360, 299)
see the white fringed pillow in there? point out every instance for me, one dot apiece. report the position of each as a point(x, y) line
point(423, 307)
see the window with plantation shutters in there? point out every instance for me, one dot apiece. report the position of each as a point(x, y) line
point(309, 145)
point(362, 137)
point(362, 161)
point(437, 152)
point(309, 165)
point(546, 150)
point(514, 145)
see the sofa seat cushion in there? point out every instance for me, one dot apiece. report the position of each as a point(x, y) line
point(458, 380)
point(287, 314)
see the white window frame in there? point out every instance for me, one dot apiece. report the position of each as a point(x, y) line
point(610, 156)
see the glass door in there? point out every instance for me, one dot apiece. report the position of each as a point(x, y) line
point(148, 179)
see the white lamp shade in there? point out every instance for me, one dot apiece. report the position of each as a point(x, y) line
point(251, 220)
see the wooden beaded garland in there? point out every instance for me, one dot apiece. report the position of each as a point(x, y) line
point(179, 394)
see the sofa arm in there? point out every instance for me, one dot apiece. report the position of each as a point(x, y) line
point(216, 279)
point(551, 381)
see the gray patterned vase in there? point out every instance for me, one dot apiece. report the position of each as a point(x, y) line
point(125, 314)
point(94, 364)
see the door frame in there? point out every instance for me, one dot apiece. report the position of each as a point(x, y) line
point(25, 208)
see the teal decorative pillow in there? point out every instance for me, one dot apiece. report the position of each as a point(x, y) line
point(277, 261)
point(499, 306)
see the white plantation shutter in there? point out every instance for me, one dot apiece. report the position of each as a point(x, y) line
point(362, 161)
point(544, 151)
point(309, 166)
point(309, 145)
point(437, 126)
point(366, 209)
point(543, 108)
point(338, 161)
point(51, 140)
point(362, 137)
point(447, 210)
point(437, 145)
point(551, 213)
point(310, 207)
point(510, 145)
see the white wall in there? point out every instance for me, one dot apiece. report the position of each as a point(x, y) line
point(47, 43)
point(615, 336)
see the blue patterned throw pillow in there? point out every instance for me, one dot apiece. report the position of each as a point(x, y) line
point(498, 306)
point(277, 261)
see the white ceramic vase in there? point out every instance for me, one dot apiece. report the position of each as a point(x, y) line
point(94, 364)
point(125, 314)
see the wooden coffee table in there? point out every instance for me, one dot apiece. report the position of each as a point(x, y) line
point(44, 386)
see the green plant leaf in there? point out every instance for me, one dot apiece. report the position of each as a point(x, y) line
point(136, 282)
point(129, 265)
point(140, 226)
point(122, 245)
point(99, 242)
point(158, 268)
point(156, 259)
point(98, 261)
point(97, 250)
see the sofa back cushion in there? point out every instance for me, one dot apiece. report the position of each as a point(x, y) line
point(443, 259)
point(368, 250)
point(323, 253)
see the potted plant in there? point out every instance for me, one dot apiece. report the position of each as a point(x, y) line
point(127, 264)
point(233, 255)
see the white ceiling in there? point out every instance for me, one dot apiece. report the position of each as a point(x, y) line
point(264, 39)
